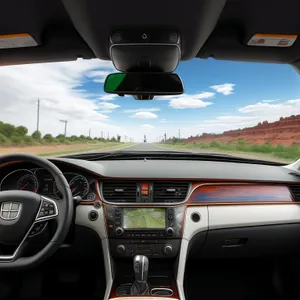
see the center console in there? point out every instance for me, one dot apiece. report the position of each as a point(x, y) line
point(151, 231)
point(144, 240)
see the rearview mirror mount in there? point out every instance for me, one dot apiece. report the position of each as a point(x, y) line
point(143, 86)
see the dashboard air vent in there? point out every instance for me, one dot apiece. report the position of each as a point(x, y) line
point(170, 191)
point(295, 190)
point(119, 191)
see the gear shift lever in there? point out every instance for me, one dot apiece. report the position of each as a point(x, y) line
point(141, 268)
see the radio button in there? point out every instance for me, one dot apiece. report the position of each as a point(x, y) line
point(121, 249)
point(170, 231)
point(168, 249)
point(119, 231)
point(171, 217)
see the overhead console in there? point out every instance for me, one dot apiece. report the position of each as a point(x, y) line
point(149, 50)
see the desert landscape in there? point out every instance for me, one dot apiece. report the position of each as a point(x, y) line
point(279, 141)
point(285, 131)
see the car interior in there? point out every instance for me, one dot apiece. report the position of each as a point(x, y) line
point(227, 228)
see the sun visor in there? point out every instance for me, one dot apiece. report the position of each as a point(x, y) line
point(21, 40)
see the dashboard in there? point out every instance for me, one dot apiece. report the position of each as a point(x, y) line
point(174, 209)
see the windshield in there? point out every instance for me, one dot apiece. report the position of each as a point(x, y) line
point(249, 110)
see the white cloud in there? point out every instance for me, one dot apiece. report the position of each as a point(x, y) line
point(105, 111)
point(142, 110)
point(272, 112)
point(270, 101)
point(188, 103)
point(144, 115)
point(107, 105)
point(203, 95)
point(100, 75)
point(231, 119)
point(108, 97)
point(163, 121)
point(188, 100)
point(225, 89)
point(147, 126)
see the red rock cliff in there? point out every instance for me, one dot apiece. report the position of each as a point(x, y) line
point(285, 131)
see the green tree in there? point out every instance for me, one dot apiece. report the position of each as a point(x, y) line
point(28, 140)
point(214, 144)
point(36, 135)
point(21, 130)
point(61, 138)
point(48, 137)
point(3, 139)
point(74, 138)
point(16, 139)
point(7, 129)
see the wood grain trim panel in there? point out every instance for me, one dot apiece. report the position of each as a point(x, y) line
point(215, 194)
point(11, 163)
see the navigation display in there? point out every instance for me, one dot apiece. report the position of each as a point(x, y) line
point(144, 218)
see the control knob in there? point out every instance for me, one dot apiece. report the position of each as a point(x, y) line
point(119, 231)
point(121, 249)
point(168, 249)
point(170, 231)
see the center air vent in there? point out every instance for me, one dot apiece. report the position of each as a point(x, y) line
point(295, 190)
point(119, 191)
point(170, 191)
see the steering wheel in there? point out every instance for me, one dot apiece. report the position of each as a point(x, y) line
point(24, 213)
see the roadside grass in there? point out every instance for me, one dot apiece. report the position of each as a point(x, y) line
point(105, 146)
point(267, 151)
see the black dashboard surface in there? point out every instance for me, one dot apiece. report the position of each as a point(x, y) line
point(168, 169)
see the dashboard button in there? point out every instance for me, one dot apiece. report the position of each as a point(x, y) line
point(119, 231)
point(93, 215)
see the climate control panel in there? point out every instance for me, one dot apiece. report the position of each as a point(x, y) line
point(150, 248)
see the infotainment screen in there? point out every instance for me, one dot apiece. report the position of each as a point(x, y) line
point(144, 218)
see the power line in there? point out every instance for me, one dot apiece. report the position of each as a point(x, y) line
point(66, 122)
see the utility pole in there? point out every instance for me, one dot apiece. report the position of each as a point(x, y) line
point(165, 135)
point(108, 135)
point(179, 133)
point(66, 122)
point(90, 132)
point(38, 115)
point(102, 134)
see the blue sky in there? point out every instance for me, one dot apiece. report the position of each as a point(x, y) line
point(219, 95)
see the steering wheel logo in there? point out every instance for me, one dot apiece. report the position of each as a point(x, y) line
point(10, 210)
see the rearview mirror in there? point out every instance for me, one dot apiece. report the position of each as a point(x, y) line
point(143, 84)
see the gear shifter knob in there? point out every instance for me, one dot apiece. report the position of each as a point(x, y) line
point(141, 268)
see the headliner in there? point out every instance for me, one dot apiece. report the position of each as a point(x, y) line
point(69, 29)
